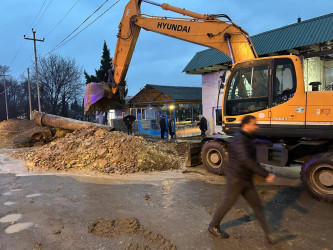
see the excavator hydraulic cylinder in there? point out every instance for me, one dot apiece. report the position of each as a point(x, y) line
point(184, 12)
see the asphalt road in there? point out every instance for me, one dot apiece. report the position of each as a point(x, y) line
point(54, 212)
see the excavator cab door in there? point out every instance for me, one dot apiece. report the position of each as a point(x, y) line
point(288, 97)
point(248, 93)
point(272, 90)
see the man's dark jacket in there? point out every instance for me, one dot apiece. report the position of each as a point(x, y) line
point(243, 162)
point(203, 124)
point(163, 123)
point(128, 123)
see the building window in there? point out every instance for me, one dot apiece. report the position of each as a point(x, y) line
point(140, 113)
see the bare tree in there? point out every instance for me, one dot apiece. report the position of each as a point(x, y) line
point(60, 83)
point(17, 96)
point(4, 69)
point(11, 94)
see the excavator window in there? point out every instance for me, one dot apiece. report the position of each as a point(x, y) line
point(284, 82)
point(248, 91)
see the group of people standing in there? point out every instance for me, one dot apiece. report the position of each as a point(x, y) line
point(168, 127)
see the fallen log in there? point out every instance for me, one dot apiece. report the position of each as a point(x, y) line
point(55, 121)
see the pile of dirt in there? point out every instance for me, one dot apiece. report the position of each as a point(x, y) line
point(96, 149)
point(111, 228)
point(16, 133)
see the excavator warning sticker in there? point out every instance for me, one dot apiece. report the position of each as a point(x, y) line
point(280, 119)
point(300, 110)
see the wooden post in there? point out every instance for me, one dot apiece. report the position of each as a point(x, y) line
point(29, 92)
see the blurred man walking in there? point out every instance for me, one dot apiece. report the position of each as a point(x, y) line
point(239, 174)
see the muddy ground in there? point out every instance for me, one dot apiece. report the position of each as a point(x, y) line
point(64, 211)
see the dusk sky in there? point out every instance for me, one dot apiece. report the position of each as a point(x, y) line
point(157, 59)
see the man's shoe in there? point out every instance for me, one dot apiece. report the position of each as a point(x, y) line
point(218, 232)
point(275, 237)
point(272, 238)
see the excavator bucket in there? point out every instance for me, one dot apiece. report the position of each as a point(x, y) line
point(100, 97)
point(97, 97)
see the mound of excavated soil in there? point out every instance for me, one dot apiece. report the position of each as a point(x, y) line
point(15, 133)
point(96, 149)
point(111, 228)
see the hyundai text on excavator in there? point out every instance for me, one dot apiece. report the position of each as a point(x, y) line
point(294, 125)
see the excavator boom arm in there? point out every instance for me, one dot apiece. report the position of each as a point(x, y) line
point(206, 30)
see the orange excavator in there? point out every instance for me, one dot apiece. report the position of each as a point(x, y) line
point(294, 125)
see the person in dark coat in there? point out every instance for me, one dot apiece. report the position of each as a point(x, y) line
point(163, 126)
point(239, 174)
point(128, 123)
point(202, 125)
point(171, 128)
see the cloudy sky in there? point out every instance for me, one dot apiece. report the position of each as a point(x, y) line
point(157, 59)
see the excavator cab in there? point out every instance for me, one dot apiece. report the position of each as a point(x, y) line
point(272, 90)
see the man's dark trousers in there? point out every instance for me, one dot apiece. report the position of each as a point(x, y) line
point(163, 130)
point(234, 188)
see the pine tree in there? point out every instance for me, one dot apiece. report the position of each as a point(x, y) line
point(106, 64)
point(101, 75)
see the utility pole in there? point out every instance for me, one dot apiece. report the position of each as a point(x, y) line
point(4, 83)
point(30, 111)
point(38, 40)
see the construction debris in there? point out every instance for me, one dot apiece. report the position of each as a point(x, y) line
point(97, 149)
point(17, 133)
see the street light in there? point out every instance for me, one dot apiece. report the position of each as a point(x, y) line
point(171, 107)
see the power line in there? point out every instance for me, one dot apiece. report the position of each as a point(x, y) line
point(90, 23)
point(20, 46)
point(51, 31)
point(16, 53)
point(29, 57)
point(78, 26)
point(62, 18)
point(43, 13)
point(1, 93)
point(63, 43)
point(36, 16)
